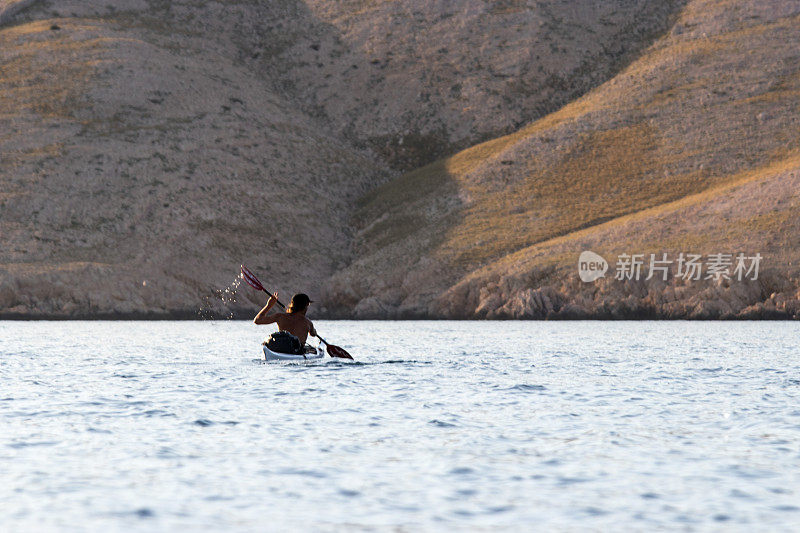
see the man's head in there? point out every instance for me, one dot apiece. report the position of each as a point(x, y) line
point(299, 303)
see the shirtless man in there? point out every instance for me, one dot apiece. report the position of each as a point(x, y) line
point(293, 320)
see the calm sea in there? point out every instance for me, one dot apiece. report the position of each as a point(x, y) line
point(167, 426)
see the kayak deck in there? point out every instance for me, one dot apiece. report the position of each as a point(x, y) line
point(269, 355)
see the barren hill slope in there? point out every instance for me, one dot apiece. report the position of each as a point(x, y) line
point(714, 100)
point(140, 164)
point(147, 147)
point(419, 79)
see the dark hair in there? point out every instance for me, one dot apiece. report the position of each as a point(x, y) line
point(299, 302)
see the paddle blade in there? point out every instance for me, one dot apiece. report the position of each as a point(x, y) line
point(336, 351)
point(251, 279)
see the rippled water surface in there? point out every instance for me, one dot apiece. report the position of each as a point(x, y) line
point(151, 426)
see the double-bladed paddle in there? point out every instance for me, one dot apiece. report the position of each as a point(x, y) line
point(252, 280)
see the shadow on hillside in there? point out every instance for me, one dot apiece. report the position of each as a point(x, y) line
point(411, 232)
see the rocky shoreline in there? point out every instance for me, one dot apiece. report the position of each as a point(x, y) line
point(762, 314)
point(507, 299)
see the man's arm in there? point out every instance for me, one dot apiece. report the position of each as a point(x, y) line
point(262, 317)
point(311, 330)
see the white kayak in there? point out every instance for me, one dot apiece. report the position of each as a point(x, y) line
point(269, 355)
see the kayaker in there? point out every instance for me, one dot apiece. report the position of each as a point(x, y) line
point(293, 321)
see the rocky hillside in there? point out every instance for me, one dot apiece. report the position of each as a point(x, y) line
point(148, 147)
point(141, 163)
point(691, 148)
point(419, 79)
point(395, 159)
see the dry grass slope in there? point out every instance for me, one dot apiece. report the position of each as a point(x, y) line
point(420, 79)
point(152, 151)
point(755, 213)
point(715, 98)
point(166, 142)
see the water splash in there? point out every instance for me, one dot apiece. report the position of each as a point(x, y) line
point(228, 294)
point(220, 303)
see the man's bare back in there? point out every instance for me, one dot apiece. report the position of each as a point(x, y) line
point(295, 321)
point(296, 324)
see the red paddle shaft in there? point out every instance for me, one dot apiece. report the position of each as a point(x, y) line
point(252, 280)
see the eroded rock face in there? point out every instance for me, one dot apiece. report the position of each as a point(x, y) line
point(565, 296)
point(509, 298)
